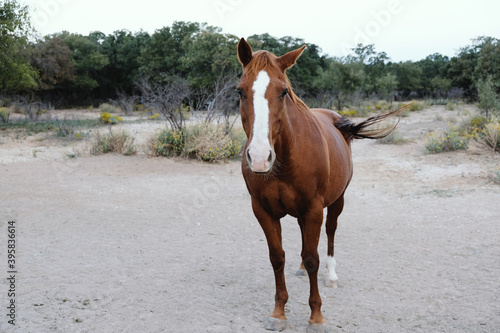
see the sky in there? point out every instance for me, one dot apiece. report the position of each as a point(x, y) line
point(404, 29)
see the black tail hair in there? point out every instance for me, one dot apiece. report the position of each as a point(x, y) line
point(352, 130)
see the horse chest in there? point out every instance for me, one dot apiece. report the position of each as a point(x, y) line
point(281, 199)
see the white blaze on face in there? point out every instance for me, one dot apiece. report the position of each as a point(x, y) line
point(260, 148)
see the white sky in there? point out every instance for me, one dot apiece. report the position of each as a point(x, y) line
point(404, 29)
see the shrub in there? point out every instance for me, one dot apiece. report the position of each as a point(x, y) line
point(4, 115)
point(210, 143)
point(109, 119)
point(451, 106)
point(204, 141)
point(449, 140)
point(122, 143)
point(488, 138)
point(348, 113)
point(5, 102)
point(416, 106)
point(169, 143)
point(382, 105)
point(488, 98)
point(108, 108)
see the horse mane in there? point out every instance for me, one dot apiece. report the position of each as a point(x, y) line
point(266, 60)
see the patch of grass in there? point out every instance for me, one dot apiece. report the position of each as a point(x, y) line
point(121, 143)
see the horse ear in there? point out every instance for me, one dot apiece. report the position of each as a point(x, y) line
point(288, 60)
point(244, 52)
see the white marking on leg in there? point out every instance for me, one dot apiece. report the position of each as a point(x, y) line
point(330, 264)
point(260, 146)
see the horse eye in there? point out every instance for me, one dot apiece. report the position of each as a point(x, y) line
point(284, 93)
point(240, 92)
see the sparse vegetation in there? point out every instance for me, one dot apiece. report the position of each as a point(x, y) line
point(205, 141)
point(395, 138)
point(109, 119)
point(4, 115)
point(416, 106)
point(121, 143)
point(449, 140)
point(108, 108)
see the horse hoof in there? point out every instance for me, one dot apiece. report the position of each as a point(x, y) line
point(332, 284)
point(301, 272)
point(274, 324)
point(316, 328)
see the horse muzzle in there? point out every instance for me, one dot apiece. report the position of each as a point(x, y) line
point(260, 161)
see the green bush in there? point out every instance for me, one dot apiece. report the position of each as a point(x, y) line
point(488, 99)
point(169, 143)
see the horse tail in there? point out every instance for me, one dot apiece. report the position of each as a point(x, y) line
point(352, 130)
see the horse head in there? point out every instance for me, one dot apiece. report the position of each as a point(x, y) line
point(264, 90)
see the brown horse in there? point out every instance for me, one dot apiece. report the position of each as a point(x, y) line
point(297, 161)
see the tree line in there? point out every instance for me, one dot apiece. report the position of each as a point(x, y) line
point(69, 69)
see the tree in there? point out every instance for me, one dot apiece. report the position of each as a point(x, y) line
point(87, 58)
point(488, 98)
point(208, 55)
point(386, 85)
point(440, 86)
point(166, 99)
point(52, 59)
point(409, 77)
point(342, 80)
point(461, 71)
point(434, 79)
point(309, 65)
point(123, 49)
point(162, 55)
point(16, 72)
point(488, 62)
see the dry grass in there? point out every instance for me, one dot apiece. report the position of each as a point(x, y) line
point(121, 143)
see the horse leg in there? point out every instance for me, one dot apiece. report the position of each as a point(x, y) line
point(272, 230)
point(311, 230)
point(334, 210)
point(302, 270)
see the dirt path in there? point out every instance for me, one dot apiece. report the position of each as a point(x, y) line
point(133, 244)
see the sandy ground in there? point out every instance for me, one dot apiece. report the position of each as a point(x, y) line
point(136, 244)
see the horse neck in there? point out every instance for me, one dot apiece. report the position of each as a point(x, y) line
point(297, 119)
